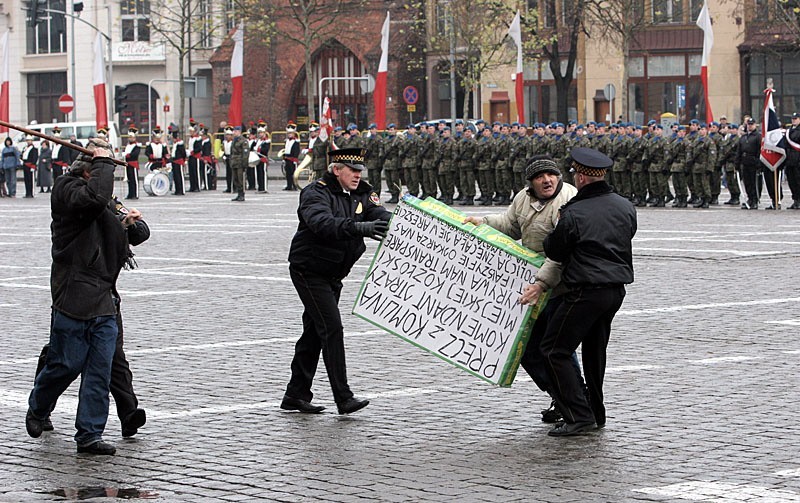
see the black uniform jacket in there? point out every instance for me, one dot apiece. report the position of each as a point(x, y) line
point(593, 238)
point(326, 242)
point(90, 245)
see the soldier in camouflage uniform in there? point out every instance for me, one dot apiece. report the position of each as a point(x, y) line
point(408, 151)
point(675, 158)
point(727, 154)
point(444, 164)
point(703, 157)
point(657, 170)
point(372, 144)
point(352, 139)
point(466, 167)
point(557, 148)
point(716, 174)
point(691, 137)
point(638, 174)
point(518, 158)
point(483, 158)
point(618, 151)
point(391, 168)
point(319, 153)
point(427, 155)
point(501, 149)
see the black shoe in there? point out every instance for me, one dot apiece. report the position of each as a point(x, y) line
point(351, 405)
point(100, 447)
point(733, 201)
point(670, 197)
point(227, 191)
point(486, 202)
point(33, 424)
point(238, 198)
point(714, 200)
point(795, 205)
point(572, 429)
point(290, 403)
point(467, 201)
point(552, 415)
point(132, 423)
point(393, 200)
point(47, 425)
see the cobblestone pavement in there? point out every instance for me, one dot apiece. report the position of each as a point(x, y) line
point(701, 386)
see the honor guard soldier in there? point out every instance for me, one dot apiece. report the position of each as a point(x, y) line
point(263, 145)
point(657, 169)
point(336, 213)
point(178, 161)
point(675, 158)
point(518, 158)
point(427, 155)
point(466, 167)
point(389, 154)
point(208, 173)
point(793, 161)
point(194, 148)
point(726, 152)
point(30, 158)
point(319, 151)
point(291, 154)
point(372, 144)
point(132, 151)
point(444, 165)
point(240, 152)
point(156, 151)
point(483, 158)
point(408, 152)
point(703, 157)
point(250, 171)
point(61, 156)
point(226, 155)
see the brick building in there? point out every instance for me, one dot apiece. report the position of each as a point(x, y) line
point(274, 72)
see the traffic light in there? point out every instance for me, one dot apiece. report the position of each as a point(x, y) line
point(37, 9)
point(120, 98)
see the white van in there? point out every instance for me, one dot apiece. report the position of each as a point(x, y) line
point(82, 131)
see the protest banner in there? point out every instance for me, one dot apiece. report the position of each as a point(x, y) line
point(451, 289)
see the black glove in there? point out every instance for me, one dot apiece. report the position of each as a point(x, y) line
point(375, 230)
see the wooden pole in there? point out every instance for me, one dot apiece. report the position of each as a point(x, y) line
point(64, 143)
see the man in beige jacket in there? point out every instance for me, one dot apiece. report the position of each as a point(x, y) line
point(531, 216)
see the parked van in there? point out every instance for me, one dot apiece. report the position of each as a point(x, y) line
point(82, 131)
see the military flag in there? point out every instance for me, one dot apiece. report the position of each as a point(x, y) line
point(379, 95)
point(773, 143)
point(704, 22)
point(515, 33)
point(4, 96)
point(237, 74)
point(99, 82)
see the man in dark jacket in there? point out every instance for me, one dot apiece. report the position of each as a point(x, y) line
point(592, 240)
point(336, 213)
point(90, 247)
point(748, 162)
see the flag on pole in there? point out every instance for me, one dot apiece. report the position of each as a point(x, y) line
point(704, 22)
point(99, 81)
point(379, 95)
point(773, 143)
point(326, 124)
point(515, 32)
point(4, 97)
point(237, 75)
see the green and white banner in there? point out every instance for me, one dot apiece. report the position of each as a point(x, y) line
point(451, 289)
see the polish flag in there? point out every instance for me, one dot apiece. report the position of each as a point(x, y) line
point(515, 32)
point(379, 95)
point(326, 124)
point(99, 81)
point(773, 141)
point(237, 73)
point(704, 22)
point(4, 100)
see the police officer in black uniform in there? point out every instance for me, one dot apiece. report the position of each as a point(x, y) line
point(748, 162)
point(793, 160)
point(592, 240)
point(336, 213)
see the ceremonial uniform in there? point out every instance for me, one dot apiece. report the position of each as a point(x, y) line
point(178, 161)
point(262, 149)
point(195, 151)
point(30, 159)
point(156, 151)
point(291, 154)
point(793, 160)
point(61, 157)
point(209, 174)
point(132, 151)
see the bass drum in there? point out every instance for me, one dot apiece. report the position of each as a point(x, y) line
point(253, 158)
point(156, 184)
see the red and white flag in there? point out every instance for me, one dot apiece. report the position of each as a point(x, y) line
point(237, 75)
point(325, 123)
point(704, 22)
point(773, 141)
point(99, 81)
point(4, 97)
point(379, 95)
point(515, 32)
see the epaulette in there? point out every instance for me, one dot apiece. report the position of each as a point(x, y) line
point(322, 183)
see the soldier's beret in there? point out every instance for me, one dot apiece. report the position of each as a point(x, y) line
point(391, 126)
point(372, 126)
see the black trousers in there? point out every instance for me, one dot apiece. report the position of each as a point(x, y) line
point(133, 182)
point(793, 177)
point(288, 167)
point(194, 174)
point(749, 174)
point(261, 176)
point(533, 359)
point(583, 318)
point(228, 175)
point(27, 176)
point(769, 179)
point(121, 376)
point(251, 177)
point(322, 333)
point(177, 178)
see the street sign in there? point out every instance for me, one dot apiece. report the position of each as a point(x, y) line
point(410, 95)
point(411, 108)
point(609, 92)
point(66, 103)
point(166, 108)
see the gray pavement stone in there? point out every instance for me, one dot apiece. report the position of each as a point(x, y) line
point(701, 386)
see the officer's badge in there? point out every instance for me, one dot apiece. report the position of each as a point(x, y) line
point(374, 199)
point(359, 208)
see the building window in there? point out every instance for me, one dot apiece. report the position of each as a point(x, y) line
point(43, 92)
point(50, 35)
point(441, 17)
point(696, 7)
point(230, 15)
point(784, 70)
point(540, 93)
point(135, 20)
point(667, 11)
point(665, 84)
point(204, 30)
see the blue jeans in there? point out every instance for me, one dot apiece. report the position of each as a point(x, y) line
point(11, 181)
point(78, 347)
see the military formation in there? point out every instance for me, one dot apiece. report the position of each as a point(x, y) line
point(654, 165)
